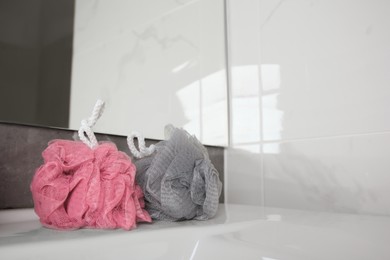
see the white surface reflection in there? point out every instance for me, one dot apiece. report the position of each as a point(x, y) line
point(204, 105)
point(189, 97)
point(214, 108)
point(270, 76)
point(245, 105)
point(274, 217)
point(180, 67)
point(249, 125)
point(271, 148)
point(194, 251)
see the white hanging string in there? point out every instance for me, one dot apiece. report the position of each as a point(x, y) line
point(143, 150)
point(85, 132)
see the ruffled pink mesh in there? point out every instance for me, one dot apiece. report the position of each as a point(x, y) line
point(82, 187)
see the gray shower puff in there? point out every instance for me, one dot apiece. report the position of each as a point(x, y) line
point(179, 181)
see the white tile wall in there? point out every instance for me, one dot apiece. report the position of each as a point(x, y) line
point(310, 86)
point(154, 63)
point(333, 63)
point(347, 174)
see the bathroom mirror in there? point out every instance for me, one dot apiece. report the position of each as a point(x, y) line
point(153, 62)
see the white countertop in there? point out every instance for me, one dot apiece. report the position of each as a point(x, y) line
point(237, 232)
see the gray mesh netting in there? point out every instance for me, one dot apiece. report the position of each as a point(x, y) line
point(178, 180)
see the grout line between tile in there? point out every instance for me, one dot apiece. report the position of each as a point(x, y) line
point(261, 123)
point(326, 137)
point(228, 73)
point(313, 138)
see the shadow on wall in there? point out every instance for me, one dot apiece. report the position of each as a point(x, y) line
point(294, 180)
point(243, 177)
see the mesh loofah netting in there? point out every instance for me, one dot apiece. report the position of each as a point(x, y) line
point(78, 186)
point(179, 180)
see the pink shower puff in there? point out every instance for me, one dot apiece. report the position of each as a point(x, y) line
point(78, 186)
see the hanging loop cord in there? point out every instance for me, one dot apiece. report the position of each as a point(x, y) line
point(86, 134)
point(143, 150)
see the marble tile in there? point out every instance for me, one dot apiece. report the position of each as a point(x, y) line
point(345, 174)
point(332, 65)
point(309, 87)
point(135, 74)
point(166, 65)
point(20, 155)
point(101, 21)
